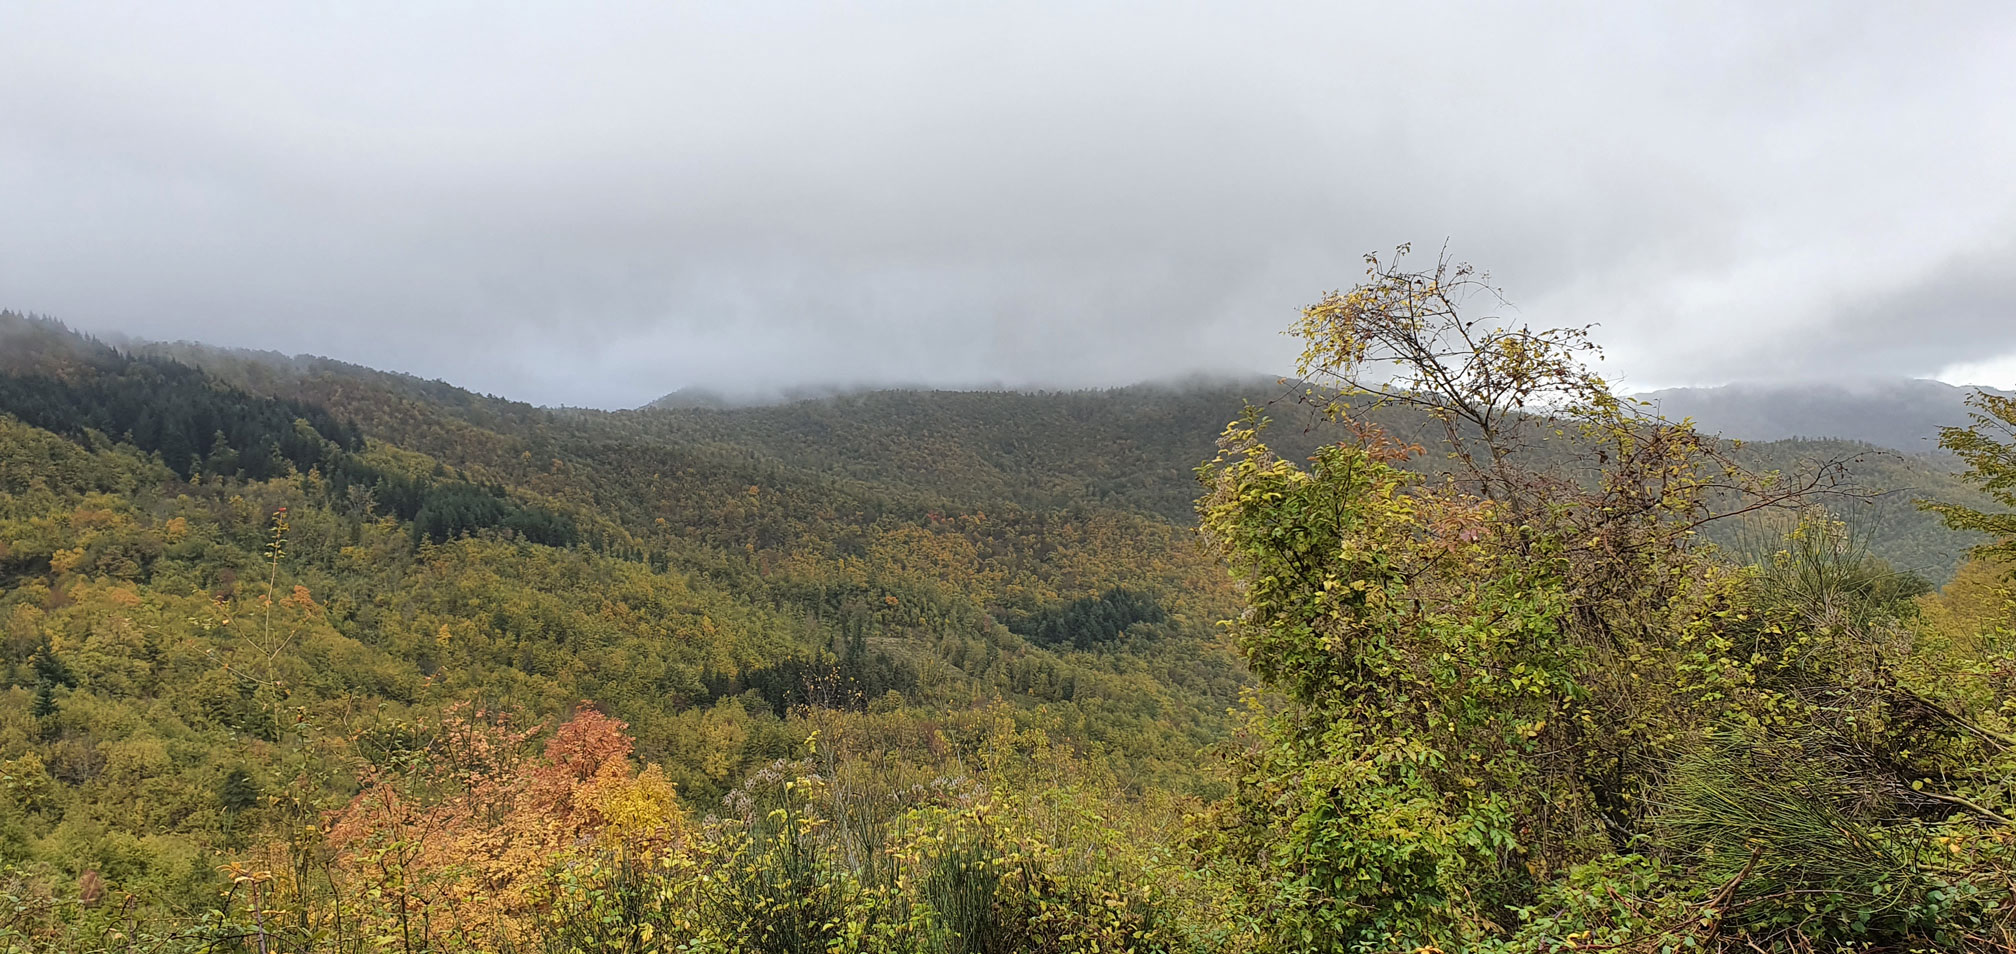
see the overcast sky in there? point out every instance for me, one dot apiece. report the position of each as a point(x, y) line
point(598, 203)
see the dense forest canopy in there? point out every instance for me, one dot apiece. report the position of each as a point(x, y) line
point(299, 656)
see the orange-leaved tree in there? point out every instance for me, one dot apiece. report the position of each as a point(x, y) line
point(457, 827)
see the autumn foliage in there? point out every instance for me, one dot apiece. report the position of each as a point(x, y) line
point(458, 834)
point(294, 656)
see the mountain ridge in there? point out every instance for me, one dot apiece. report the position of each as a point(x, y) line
point(1903, 414)
point(1132, 448)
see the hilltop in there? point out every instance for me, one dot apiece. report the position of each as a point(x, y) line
point(1903, 414)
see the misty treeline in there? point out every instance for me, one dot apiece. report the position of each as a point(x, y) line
point(1507, 664)
point(198, 428)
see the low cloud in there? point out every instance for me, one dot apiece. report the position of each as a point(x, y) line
point(597, 206)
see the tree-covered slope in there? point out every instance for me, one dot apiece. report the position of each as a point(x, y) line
point(203, 634)
point(242, 596)
point(1125, 449)
point(229, 581)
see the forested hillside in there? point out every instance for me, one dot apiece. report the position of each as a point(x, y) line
point(1128, 449)
point(291, 634)
point(214, 578)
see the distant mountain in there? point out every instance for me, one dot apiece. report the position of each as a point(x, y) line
point(1129, 450)
point(759, 394)
point(752, 395)
point(1901, 414)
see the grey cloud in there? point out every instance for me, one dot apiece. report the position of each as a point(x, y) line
point(1962, 310)
point(599, 205)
